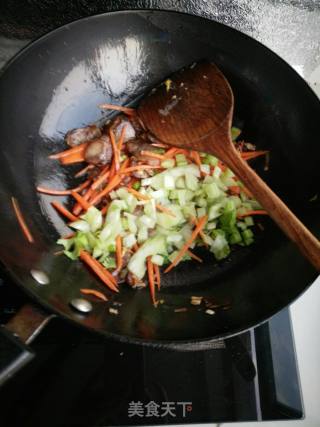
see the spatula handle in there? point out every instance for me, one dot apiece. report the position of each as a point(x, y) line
point(308, 244)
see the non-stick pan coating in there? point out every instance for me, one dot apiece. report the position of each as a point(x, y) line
point(56, 84)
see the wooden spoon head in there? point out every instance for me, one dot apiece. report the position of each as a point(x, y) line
point(194, 103)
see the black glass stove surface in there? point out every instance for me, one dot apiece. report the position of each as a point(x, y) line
point(79, 379)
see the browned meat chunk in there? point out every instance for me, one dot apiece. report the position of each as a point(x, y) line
point(99, 151)
point(133, 281)
point(78, 136)
point(130, 130)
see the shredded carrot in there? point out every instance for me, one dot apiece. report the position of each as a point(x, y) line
point(111, 185)
point(84, 204)
point(83, 171)
point(157, 275)
point(135, 247)
point(194, 256)
point(115, 150)
point(185, 247)
point(77, 209)
point(137, 194)
point(95, 293)
point(144, 197)
point(139, 168)
point(195, 156)
point(153, 155)
point(21, 220)
point(66, 153)
point(61, 209)
point(126, 110)
point(165, 210)
point(53, 192)
point(100, 271)
point(159, 145)
point(250, 213)
point(119, 252)
point(121, 139)
point(248, 155)
point(104, 210)
point(102, 177)
point(151, 281)
point(201, 233)
point(171, 152)
point(235, 189)
point(74, 158)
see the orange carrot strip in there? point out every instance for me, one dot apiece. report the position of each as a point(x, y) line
point(153, 155)
point(121, 139)
point(83, 171)
point(77, 207)
point(127, 110)
point(53, 192)
point(84, 204)
point(201, 233)
point(104, 210)
point(196, 157)
point(115, 150)
point(73, 158)
point(144, 197)
point(139, 167)
point(119, 252)
point(157, 275)
point(247, 192)
point(159, 145)
point(61, 209)
point(194, 256)
point(100, 271)
point(66, 153)
point(21, 220)
point(111, 185)
point(171, 152)
point(250, 213)
point(137, 194)
point(97, 294)
point(235, 189)
point(165, 210)
point(102, 177)
point(248, 155)
point(185, 247)
point(151, 281)
point(135, 247)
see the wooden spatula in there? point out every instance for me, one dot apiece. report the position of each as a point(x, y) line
point(193, 110)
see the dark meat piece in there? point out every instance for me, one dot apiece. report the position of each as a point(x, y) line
point(119, 123)
point(135, 147)
point(99, 151)
point(79, 136)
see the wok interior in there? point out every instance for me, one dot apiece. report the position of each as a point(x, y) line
point(56, 85)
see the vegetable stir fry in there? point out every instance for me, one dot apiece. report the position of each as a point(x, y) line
point(145, 207)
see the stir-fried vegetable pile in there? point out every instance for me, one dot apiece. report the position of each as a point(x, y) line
point(128, 223)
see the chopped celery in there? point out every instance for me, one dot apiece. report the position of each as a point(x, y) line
point(154, 246)
point(235, 237)
point(157, 259)
point(181, 160)
point(180, 182)
point(211, 225)
point(136, 185)
point(242, 225)
point(94, 218)
point(124, 223)
point(168, 182)
point(150, 210)
point(211, 160)
point(189, 210)
point(249, 221)
point(205, 168)
point(220, 247)
point(201, 212)
point(169, 163)
point(217, 172)
point(214, 211)
point(80, 225)
point(191, 182)
point(146, 221)
point(142, 234)
point(212, 191)
point(248, 237)
point(235, 132)
point(129, 240)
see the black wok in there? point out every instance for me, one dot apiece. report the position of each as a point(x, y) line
point(56, 83)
